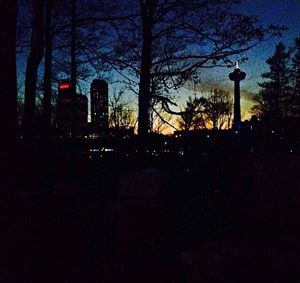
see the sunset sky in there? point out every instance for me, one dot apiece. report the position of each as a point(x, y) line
point(281, 12)
point(269, 12)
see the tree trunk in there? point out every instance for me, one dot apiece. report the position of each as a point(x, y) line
point(144, 86)
point(73, 46)
point(8, 95)
point(33, 61)
point(48, 69)
point(73, 65)
point(215, 125)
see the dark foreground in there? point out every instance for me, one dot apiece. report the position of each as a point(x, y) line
point(215, 218)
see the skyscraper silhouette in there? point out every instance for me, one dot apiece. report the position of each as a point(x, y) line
point(99, 104)
point(71, 112)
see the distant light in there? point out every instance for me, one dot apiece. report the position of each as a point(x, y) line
point(273, 132)
point(291, 151)
point(107, 149)
point(207, 136)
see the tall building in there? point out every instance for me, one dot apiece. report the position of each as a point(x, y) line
point(237, 76)
point(71, 112)
point(99, 104)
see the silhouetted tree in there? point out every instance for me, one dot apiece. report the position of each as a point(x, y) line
point(48, 67)
point(156, 45)
point(73, 46)
point(58, 39)
point(295, 77)
point(212, 110)
point(192, 117)
point(8, 95)
point(161, 120)
point(20, 110)
point(120, 112)
point(24, 23)
point(164, 43)
point(276, 90)
point(33, 61)
point(91, 36)
point(296, 67)
point(259, 108)
point(218, 109)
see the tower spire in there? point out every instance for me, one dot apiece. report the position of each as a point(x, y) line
point(237, 65)
point(237, 75)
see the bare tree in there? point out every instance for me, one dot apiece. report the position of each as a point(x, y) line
point(120, 112)
point(161, 120)
point(67, 24)
point(24, 25)
point(207, 110)
point(164, 43)
point(8, 94)
point(48, 67)
point(192, 117)
point(218, 109)
point(80, 28)
point(259, 108)
point(33, 61)
point(156, 46)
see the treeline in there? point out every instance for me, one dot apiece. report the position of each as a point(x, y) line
point(212, 110)
point(279, 96)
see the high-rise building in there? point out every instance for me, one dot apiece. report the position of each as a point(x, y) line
point(71, 112)
point(99, 104)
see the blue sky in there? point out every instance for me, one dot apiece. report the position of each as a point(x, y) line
point(281, 12)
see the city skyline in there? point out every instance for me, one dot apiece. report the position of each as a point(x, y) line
point(134, 156)
point(269, 12)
